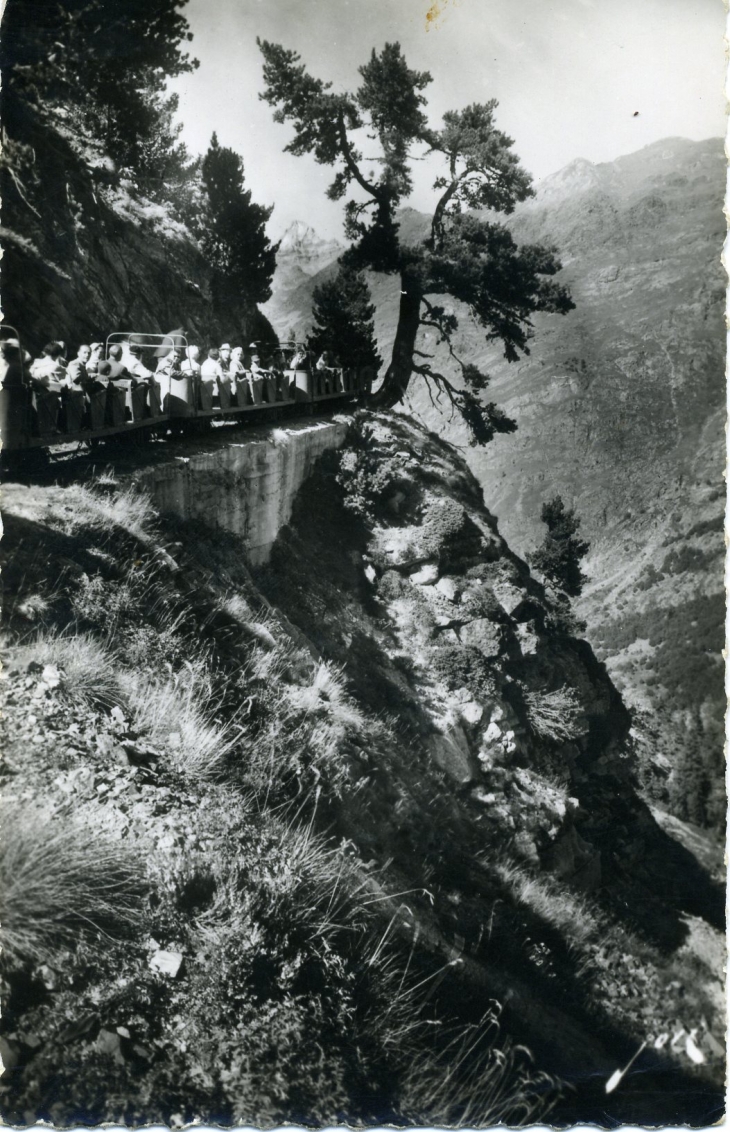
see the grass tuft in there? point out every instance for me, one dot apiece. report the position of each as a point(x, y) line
point(59, 877)
point(86, 670)
point(553, 902)
point(180, 715)
point(326, 695)
point(126, 508)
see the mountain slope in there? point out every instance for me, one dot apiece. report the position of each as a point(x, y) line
point(357, 794)
point(302, 255)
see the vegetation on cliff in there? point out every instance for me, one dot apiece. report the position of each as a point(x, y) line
point(558, 558)
point(369, 792)
point(466, 256)
point(108, 221)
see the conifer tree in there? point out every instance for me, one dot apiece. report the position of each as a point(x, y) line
point(560, 554)
point(106, 64)
point(344, 320)
point(471, 258)
point(232, 229)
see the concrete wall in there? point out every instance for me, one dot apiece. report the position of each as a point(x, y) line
point(247, 487)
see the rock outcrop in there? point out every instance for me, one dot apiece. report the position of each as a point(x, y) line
point(620, 408)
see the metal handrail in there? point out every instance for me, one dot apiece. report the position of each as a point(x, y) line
point(145, 340)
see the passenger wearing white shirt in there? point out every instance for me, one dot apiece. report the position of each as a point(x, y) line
point(191, 363)
point(50, 369)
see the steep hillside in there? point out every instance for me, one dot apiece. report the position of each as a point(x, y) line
point(85, 254)
point(620, 408)
point(368, 788)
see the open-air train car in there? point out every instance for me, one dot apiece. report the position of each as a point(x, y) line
point(32, 416)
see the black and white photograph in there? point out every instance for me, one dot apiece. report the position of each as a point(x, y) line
point(362, 406)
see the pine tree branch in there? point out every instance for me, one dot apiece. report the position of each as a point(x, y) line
point(353, 167)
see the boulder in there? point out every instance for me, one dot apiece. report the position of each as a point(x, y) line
point(426, 576)
point(484, 635)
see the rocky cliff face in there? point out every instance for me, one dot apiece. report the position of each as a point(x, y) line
point(85, 255)
point(246, 488)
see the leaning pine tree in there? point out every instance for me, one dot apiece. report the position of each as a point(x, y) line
point(466, 256)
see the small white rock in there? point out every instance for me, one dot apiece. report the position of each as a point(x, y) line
point(426, 576)
point(472, 712)
point(447, 586)
point(492, 733)
point(166, 962)
point(50, 676)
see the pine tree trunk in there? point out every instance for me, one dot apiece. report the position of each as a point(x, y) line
point(398, 374)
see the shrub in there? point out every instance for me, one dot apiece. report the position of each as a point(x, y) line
point(559, 557)
point(60, 876)
point(556, 716)
point(365, 472)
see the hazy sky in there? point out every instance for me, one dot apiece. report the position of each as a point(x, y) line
point(569, 76)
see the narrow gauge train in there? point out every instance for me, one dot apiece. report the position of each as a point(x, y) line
point(37, 418)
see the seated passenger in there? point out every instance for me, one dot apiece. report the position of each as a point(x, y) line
point(13, 359)
point(171, 364)
point(76, 369)
point(115, 370)
point(225, 356)
point(97, 355)
point(300, 358)
point(258, 365)
point(326, 360)
point(191, 364)
point(134, 364)
point(49, 371)
point(236, 368)
point(211, 369)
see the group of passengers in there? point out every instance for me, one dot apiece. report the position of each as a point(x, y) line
point(136, 380)
point(124, 363)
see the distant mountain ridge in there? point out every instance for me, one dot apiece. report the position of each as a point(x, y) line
point(302, 255)
point(620, 407)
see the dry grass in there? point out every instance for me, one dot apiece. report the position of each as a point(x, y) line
point(86, 670)
point(179, 715)
point(126, 508)
point(60, 877)
point(326, 696)
point(572, 915)
point(475, 1084)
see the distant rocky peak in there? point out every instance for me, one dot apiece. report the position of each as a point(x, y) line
point(578, 177)
point(301, 244)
